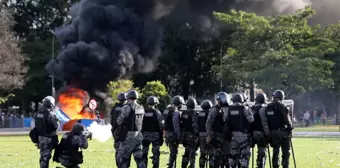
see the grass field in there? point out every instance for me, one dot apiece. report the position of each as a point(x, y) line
point(319, 128)
point(18, 151)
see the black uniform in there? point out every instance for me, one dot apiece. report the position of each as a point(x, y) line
point(115, 112)
point(280, 127)
point(238, 121)
point(214, 126)
point(68, 153)
point(205, 149)
point(152, 134)
point(190, 129)
point(258, 136)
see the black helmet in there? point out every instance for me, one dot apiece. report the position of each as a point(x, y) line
point(261, 98)
point(132, 94)
point(121, 96)
point(152, 100)
point(238, 98)
point(223, 98)
point(191, 103)
point(48, 102)
point(279, 94)
point(78, 129)
point(177, 100)
point(206, 104)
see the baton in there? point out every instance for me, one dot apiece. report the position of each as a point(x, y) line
point(252, 157)
point(291, 144)
point(270, 161)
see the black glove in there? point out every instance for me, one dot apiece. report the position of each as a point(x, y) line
point(88, 135)
point(289, 131)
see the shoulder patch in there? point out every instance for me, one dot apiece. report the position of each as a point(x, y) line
point(202, 114)
point(148, 114)
point(270, 112)
point(39, 115)
point(185, 116)
point(234, 112)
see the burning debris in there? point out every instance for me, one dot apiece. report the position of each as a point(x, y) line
point(73, 102)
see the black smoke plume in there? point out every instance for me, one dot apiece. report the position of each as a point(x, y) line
point(105, 40)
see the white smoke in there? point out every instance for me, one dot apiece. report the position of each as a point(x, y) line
point(100, 132)
point(290, 5)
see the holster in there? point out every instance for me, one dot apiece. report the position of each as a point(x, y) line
point(54, 142)
point(34, 136)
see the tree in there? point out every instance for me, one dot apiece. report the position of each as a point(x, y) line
point(12, 68)
point(155, 88)
point(5, 99)
point(185, 67)
point(116, 87)
point(279, 53)
point(35, 21)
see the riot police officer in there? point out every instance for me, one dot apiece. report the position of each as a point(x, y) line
point(238, 120)
point(215, 127)
point(46, 125)
point(280, 129)
point(172, 128)
point(205, 149)
point(189, 120)
point(258, 136)
point(152, 131)
point(68, 150)
point(131, 121)
point(116, 109)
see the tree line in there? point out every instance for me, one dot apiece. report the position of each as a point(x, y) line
point(283, 52)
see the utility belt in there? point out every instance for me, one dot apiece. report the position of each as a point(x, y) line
point(279, 129)
point(203, 134)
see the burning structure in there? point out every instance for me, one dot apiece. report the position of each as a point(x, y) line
point(105, 40)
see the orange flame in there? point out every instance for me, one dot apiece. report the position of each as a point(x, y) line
point(72, 102)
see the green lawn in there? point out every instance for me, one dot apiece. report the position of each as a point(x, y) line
point(18, 151)
point(318, 128)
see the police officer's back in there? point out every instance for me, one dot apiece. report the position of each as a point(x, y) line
point(280, 128)
point(190, 129)
point(259, 137)
point(239, 119)
point(46, 125)
point(278, 114)
point(152, 131)
point(204, 148)
point(172, 128)
point(68, 149)
point(131, 122)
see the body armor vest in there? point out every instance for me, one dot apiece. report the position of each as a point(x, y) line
point(202, 120)
point(257, 124)
point(218, 123)
point(168, 118)
point(236, 119)
point(41, 123)
point(135, 118)
point(274, 116)
point(150, 121)
point(187, 120)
